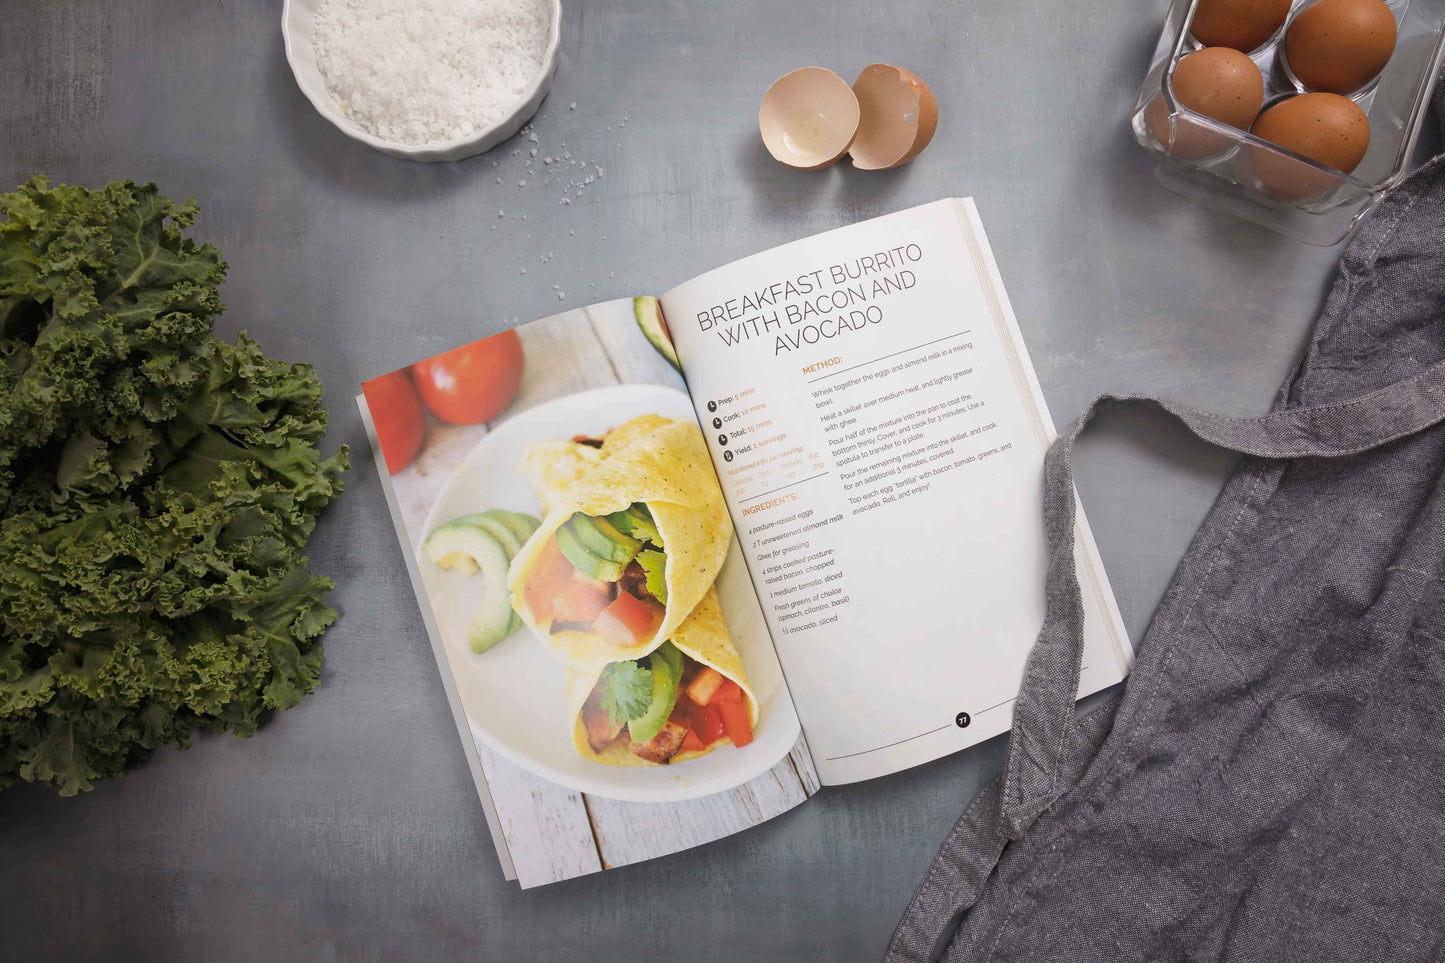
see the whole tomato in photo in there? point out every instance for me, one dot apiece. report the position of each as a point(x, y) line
point(473, 383)
point(396, 412)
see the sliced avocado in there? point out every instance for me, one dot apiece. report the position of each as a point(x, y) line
point(666, 663)
point(600, 538)
point(494, 526)
point(470, 550)
point(449, 546)
point(522, 525)
point(632, 519)
point(654, 563)
point(637, 522)
point(588, 564)
point(654, 326)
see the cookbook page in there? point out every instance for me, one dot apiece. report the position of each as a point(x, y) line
point(875, 422)
point(598, 637)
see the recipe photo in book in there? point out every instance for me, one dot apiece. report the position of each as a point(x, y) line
point(667, 609)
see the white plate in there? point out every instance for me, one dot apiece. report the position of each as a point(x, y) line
point(513, 693)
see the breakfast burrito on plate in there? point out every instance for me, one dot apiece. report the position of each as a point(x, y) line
point(683, 700)
point(633, 537)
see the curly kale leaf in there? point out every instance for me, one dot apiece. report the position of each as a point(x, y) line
point(157, 488)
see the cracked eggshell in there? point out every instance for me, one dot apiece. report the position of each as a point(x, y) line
point(808, 118)
point(898, 117)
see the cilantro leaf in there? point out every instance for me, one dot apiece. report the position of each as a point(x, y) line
point(643, 527)
point(654, 563)
point(626, 691)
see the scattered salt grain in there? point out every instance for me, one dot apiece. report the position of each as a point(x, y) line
point(420, 73)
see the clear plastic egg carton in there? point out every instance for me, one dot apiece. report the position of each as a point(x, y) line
point(1326, 203)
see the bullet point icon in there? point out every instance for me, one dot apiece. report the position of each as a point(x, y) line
point(727, 456)
point(717, 422)
point(722, 439)
point(712, 406)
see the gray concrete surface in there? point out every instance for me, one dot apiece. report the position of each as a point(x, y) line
point(348, 829)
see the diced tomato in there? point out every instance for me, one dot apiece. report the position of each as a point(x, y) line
point(707, 723)
point(737, 722)
point(627, 620)
point(635, 616)
point(557, 592)
point(729, 691)
point(546, 579)
point(580, 600)
point(704, 685)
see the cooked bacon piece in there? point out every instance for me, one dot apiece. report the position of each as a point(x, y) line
point(663, 746)
point(634, 582)
point(601, 733)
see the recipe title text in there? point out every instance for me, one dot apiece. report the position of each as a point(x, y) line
point(817, 305)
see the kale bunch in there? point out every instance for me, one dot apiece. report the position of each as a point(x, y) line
point(157, 488)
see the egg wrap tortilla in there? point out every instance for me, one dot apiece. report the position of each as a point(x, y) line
point(552, 467)
point(663, 464)
point(703, 636)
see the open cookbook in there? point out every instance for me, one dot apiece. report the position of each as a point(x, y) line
point(684, 560)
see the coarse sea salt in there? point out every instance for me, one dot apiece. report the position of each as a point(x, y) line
point(426, 71)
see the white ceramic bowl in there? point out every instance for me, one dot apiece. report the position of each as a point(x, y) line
point(297, 20)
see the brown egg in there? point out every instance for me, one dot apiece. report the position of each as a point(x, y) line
point(1338, 46)
point(1326, 128)
point(1241, 24)
point(1218, 82)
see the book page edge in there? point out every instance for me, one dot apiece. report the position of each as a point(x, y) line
point(1097, 577)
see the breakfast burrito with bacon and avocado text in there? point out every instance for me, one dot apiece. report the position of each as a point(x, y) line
point(682, 700)
point(635, 533)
